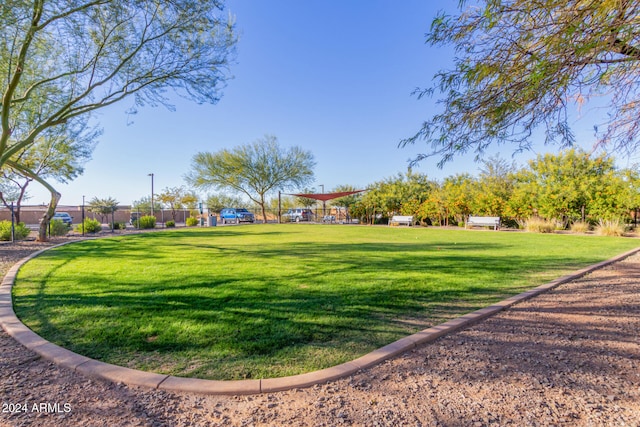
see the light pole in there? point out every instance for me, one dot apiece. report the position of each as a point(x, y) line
point(151, 175)
point(324, 203)
point(82, 216)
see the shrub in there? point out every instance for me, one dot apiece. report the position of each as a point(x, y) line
point(21, 231)
point(610, 228)
point(580, 227)
point(90, 226)
point(191, 221)
point(509, 223)
point(147, 221)
point(539, 225)
point(58, 228)
point(170, 224)
point(119, 225)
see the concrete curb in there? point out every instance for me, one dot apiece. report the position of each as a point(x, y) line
point(95, 369)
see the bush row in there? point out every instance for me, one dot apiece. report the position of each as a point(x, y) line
point(604, 228)
point(59, 228)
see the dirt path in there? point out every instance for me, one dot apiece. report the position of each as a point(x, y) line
point(569, 357)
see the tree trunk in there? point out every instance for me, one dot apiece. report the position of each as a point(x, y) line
point(44, 222)
point(264, 210)
point(262, 203)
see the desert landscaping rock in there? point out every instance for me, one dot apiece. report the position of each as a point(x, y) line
point(570, 356)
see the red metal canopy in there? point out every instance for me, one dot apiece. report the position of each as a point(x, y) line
point(327, 196)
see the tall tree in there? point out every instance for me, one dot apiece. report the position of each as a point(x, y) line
point(254, 170)
point(60, 61)
point(524, 64)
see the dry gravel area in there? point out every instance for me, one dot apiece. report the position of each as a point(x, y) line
point(568, 357)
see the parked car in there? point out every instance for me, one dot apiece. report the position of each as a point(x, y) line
point(64, 217)
point(235, 215)
point(297, 215)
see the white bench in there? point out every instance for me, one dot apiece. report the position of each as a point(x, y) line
point(401, 219)
point(484, 221)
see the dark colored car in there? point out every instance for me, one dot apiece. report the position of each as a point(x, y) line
point(297, 215)
point(64, 217)
point(235, 215)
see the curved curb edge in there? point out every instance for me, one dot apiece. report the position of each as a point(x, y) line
point(105, 371)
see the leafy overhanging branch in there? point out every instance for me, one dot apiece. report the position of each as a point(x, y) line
point(67, 59)
point(522, 65)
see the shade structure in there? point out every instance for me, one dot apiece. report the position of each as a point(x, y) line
point(326, 196)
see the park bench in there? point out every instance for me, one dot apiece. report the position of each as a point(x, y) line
point(484, 221)
point(401, 219)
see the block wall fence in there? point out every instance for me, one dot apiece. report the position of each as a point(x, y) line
point(32, 214)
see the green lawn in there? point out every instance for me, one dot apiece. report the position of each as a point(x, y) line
point(271, 300)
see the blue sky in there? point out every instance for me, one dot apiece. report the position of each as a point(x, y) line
point(333, 77)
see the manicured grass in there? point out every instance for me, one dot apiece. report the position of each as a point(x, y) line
point(271, 300)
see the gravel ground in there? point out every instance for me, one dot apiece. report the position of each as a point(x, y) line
point(569, 357)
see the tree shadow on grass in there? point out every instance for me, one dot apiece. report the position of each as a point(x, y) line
point(221, 317)
point(349, 298)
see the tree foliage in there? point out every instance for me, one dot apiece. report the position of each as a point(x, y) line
point(62, 60)
point(494, 187)
point(522, 65)
point(306, 202)
point(58, 154)
point(562, 188)
point(177, 198)
point(573, 185)
point(144, 205)
point(279, 205)
point(347, 201)
point(459, 192)
point(13, 191)
point(400, 194)
point(103, 207)
point(254, 170)
point(433, 210)
point(217, 202)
